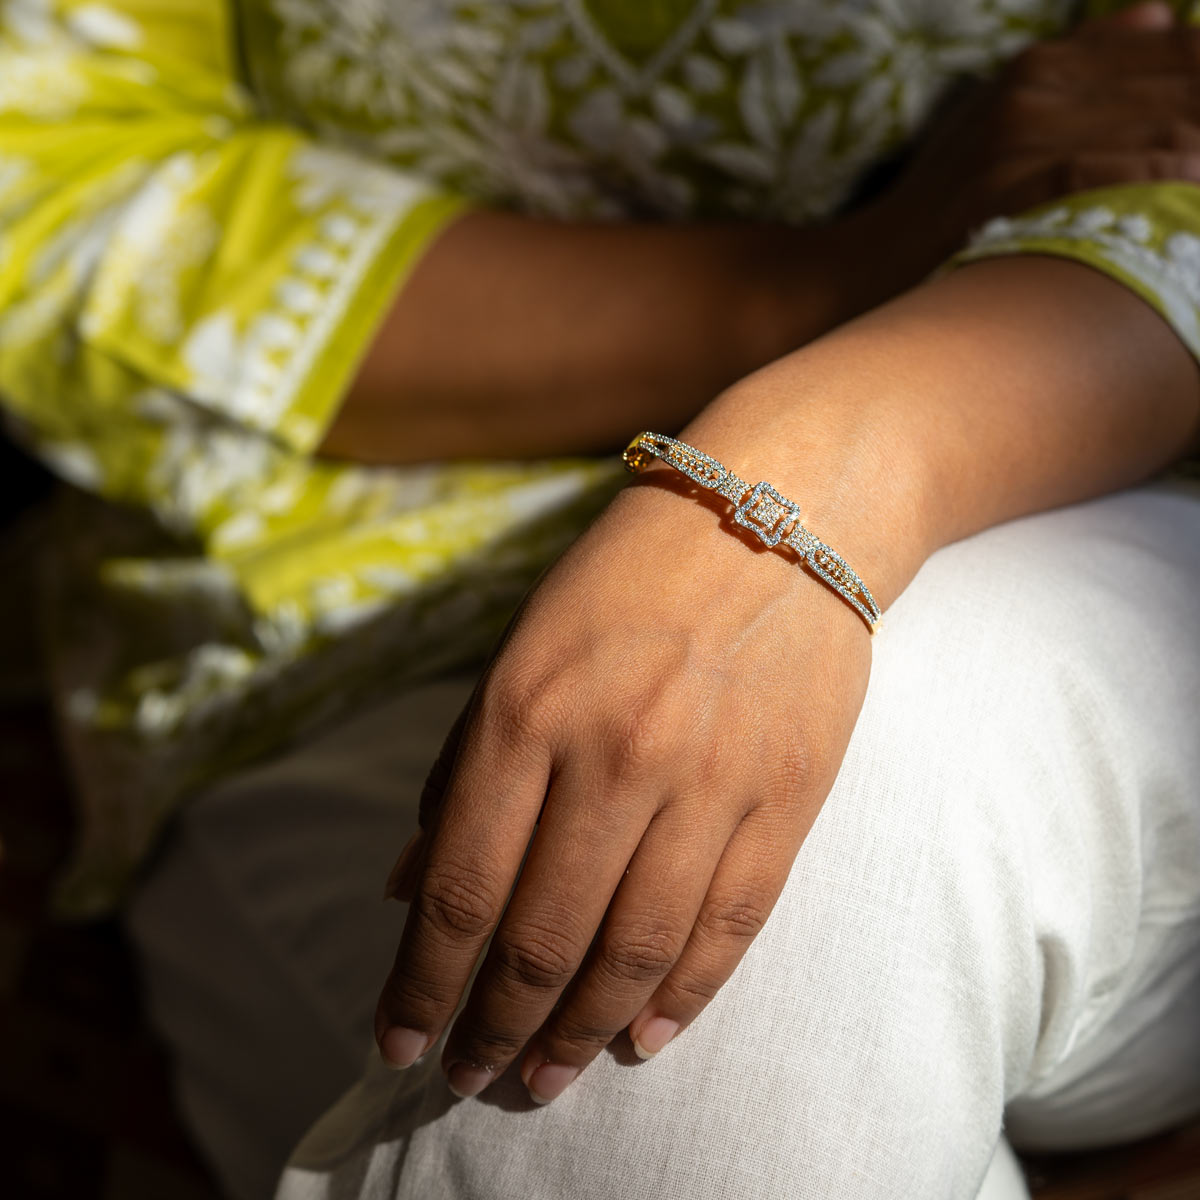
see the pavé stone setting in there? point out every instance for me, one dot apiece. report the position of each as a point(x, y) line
point(766, 513)
point(772, 518)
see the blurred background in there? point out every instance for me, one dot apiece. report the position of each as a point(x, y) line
point(85, 1105)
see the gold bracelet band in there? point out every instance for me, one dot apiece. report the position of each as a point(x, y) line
point(761, 509)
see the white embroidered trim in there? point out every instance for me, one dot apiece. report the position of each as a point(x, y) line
point(254, 375)
point(1172, 273)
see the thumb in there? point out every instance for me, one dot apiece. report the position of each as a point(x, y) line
point(438, 778)
point(401, 882)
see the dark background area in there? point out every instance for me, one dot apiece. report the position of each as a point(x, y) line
point(85, 1104)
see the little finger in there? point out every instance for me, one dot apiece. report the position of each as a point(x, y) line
point(745, 887)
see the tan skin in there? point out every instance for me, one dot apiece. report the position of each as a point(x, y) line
point(619, 716)
point(519, 337)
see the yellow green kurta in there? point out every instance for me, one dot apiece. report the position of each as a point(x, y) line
point(206, 207)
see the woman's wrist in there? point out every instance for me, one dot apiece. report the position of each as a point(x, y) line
point(834, 442)
point(1005, 387)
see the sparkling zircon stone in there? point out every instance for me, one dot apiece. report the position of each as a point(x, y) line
point(704, 469)
point(767, 513)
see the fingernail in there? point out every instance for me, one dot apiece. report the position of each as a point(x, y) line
point(408, 856)
point(549, 1081)
point(654, 1035)
point(401, 1048)
point(465, 1081)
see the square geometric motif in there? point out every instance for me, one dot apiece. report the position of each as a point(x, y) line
point(767, 514)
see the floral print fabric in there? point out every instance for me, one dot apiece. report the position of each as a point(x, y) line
point(206, 207)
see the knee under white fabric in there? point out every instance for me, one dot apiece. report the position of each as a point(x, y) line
point(996, 916)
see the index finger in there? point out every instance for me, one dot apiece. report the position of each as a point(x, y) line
point(488, 813)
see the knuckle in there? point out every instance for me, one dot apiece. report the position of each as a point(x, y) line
point(639, 739)
point(568, 1030)
point(414, 1001)
point(641, 956)
point(516, 715)
point(692, 992)
point(534, 958)
point(793, 765)
point(735, 916)
point(457, 904)
point(518, 710)
point(787, 780)
point(486, 1045)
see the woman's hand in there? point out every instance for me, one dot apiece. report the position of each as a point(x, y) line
point(1115, 101)
point(673, 704)
point(673, 701)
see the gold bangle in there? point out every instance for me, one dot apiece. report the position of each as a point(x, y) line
point(774, 519)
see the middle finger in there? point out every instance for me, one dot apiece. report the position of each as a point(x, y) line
point(647, 927)
point(576, 860)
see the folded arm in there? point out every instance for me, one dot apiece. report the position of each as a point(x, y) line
point(517, 337)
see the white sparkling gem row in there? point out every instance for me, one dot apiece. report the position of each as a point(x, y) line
point(825, 562)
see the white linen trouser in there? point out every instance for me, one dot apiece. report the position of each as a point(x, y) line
point(995, 918)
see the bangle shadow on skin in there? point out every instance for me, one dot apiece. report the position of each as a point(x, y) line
point(664, 477)
point(667, 480)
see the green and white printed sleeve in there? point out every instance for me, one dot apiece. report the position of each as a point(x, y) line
point(186, 288)
point(175, 271)
point(1145, 235)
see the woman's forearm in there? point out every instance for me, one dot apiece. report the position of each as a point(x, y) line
point(1007, 386)
point(521, 337)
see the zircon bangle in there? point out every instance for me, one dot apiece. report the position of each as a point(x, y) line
point(761, 509)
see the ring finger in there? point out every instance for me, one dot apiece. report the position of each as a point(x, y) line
point(644, 933)
point(573, 867)
point(745, 886)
